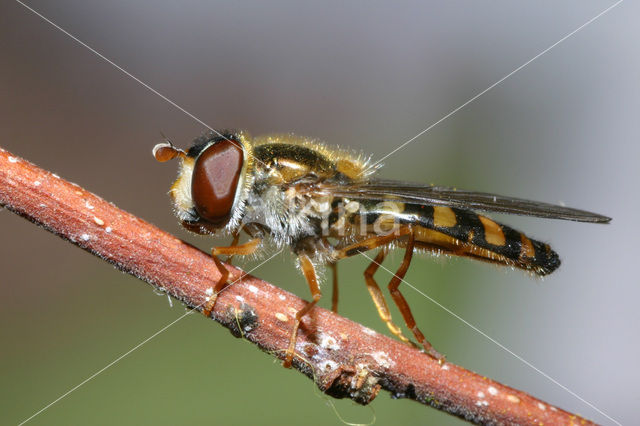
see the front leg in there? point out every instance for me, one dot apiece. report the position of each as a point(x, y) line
point(237, 250)
point(234, 242)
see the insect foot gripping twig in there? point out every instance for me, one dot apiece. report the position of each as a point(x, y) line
point(345, 359)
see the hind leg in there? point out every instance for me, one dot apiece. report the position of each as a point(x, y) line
point(378, 298)
point(374, 290)
point(402, 304)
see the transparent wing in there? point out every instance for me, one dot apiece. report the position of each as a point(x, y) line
point(450, 197)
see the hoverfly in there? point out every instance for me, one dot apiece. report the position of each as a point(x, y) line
point(325, 204)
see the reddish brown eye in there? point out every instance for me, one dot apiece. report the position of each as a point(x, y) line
point(215, 179)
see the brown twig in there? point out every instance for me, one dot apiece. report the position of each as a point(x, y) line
point(345, 359)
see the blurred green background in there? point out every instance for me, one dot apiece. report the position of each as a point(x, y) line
point(367, 76)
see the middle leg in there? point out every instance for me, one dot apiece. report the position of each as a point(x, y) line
point(309, 272)
point(334, 295)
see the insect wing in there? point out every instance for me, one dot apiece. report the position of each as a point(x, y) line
point(414, 193)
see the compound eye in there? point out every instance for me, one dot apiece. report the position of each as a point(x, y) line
point(215, 180)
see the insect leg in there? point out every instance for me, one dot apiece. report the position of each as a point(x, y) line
point(372, 285)
point(334, 296)
point(378, 298)
point(222, 283)
point(402, 304)
point(243, 249)
point(234, 242)
point(371, 243)
point(309, 273)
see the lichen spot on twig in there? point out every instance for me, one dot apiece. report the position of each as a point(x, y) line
point(481, 402)
point(383, 359)
point(328, 342)
point(329, 366)
point(367, 330)
point(513, 398)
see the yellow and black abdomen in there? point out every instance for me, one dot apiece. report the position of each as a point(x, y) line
point(472, 235)
point(465, 233)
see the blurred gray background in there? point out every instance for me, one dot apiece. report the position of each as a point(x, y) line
point(365, 75)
